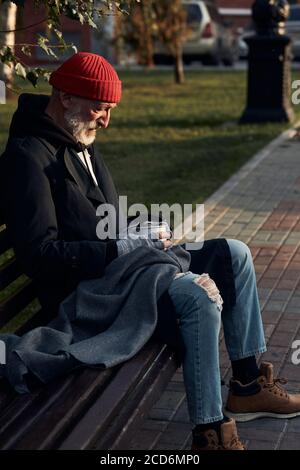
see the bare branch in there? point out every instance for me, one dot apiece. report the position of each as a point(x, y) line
point(25, 27)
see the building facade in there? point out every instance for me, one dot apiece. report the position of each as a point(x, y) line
point(238, 12)
point(241, 3)
point(73, 31)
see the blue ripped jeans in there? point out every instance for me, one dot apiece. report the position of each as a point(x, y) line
point(199, 316)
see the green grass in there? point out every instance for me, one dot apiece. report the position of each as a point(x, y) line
point(171, 143)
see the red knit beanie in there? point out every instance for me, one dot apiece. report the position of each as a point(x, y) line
point(89, 76)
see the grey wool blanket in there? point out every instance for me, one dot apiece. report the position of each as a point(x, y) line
point(104, 322)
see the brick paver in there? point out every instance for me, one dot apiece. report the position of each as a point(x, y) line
point(260, 205)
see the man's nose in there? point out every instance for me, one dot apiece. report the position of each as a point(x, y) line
point(104, 120)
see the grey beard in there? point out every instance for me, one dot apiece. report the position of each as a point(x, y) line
point(78, 128)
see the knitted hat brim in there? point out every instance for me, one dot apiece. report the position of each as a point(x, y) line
point(86, 87)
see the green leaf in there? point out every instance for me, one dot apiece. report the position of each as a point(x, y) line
point(41, 72)
point(7, 56)
point(51, 52)
point(26, 50)
point(58, 33)
point(20, 70)
point(42, 43)
point(92, 23)
point(81, 17)
point(32, 77)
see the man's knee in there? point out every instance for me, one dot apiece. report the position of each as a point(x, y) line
point(199, 297)
point(205, 282)
point(212, 302)
point(240, 253)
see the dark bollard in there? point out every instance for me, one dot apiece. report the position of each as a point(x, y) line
point(269, 69)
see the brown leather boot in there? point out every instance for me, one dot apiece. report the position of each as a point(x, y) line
point(263, 397)
point(209, 440)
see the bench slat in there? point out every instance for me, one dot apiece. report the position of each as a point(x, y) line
point(7, 395)
point(146, 393)
point(30, 418)
point(9, 272)
point(100, 416)
point(88, 402)
point(11, 306)
point(2, 222)
point(5, 243)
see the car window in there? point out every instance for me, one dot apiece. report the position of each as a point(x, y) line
point(194, 13)
point(294, 14)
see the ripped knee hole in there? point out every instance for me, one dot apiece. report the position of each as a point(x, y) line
point(205, 282)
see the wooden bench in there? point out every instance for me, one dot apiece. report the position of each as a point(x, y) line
point(88, 409)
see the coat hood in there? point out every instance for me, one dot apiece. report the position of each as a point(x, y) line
point(30, 120)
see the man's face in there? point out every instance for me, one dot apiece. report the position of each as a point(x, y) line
point(84, 117)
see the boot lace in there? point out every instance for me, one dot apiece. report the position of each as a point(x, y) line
point(274, 386)
point(235, 442)
point(213, 442)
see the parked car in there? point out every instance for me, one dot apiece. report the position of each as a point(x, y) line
point(244, 33)
point(293, 29)
point(211, 39)
point(243, 48)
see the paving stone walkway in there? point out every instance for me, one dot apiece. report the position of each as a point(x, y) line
point(259, 205)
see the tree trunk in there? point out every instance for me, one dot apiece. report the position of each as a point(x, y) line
point(8, 15)
point(147, 39)
point(179, 69)
point(118, 42)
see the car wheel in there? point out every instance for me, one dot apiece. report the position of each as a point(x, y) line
point(163, 59)
point(229, 61)
point(214, 59)
point(186, 59)
point(232, 57)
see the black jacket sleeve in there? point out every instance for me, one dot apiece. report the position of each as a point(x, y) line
point(30, 215)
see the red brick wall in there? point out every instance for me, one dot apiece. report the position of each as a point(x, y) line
point(234, 3)
point(240, 21)
point(241, 3)
point(30, 16)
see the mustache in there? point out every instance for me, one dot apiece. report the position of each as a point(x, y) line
point(95, 127)
point(76, 123)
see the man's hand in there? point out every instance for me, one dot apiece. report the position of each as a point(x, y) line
point(167, 244)
point(126, 245)
point(165, 235)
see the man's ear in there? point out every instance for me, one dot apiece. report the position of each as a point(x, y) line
point(65, 99)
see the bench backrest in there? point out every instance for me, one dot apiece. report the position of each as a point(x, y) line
point(16, 290)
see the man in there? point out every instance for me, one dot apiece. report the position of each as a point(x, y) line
point(52, 183)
